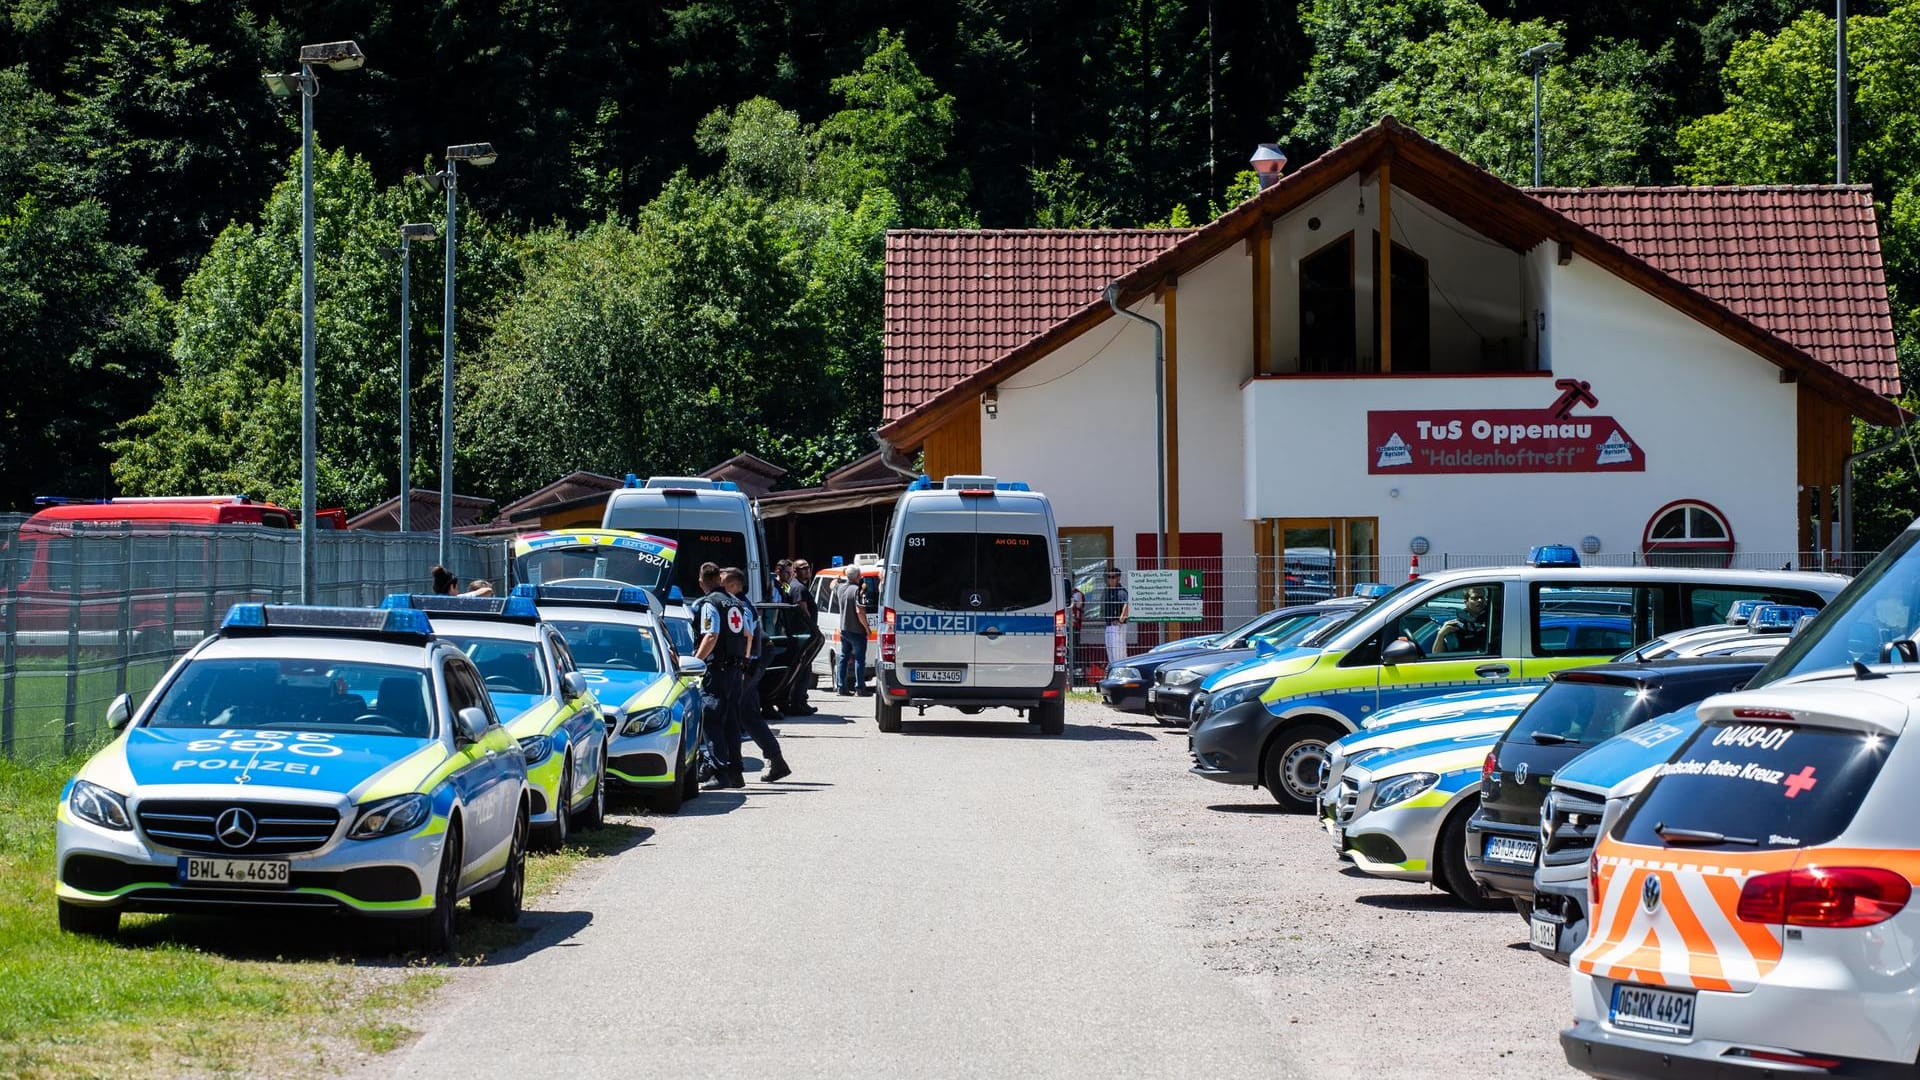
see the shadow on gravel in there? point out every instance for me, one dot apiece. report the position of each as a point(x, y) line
point(1263, 809)
point(1425, 901)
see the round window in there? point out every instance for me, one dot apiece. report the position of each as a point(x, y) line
point(1688, 533)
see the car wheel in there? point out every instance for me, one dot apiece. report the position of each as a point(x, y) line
point(503, 901)
point(556, 833)
point(690, 776)
point(92, 921)
point(432, 933)
point(1293, 766)
point(667, 800)
point(1051, 716)
point(885, 714)
point(594, 814)
point(1454, 876)
point(1525, 908)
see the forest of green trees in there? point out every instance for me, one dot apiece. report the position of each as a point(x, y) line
point(679, 252)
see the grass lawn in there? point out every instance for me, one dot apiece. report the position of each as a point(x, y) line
point(40, 697)
point(204, 995)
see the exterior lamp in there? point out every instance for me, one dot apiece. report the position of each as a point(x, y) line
point(340, 56)
point(472, 154)
point(1269, 161)
point(991, 402)
point(1536, 59)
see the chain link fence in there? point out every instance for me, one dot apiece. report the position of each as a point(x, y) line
point(90, 612)
point(1234, 589)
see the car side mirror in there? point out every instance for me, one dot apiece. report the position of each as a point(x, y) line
point(574, 684)
point(692, 665)
point(470, 723)
point(120, 712)
point(1402, 651)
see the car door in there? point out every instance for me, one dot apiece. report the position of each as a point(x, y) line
point(581, 719)
point(936, 602)
point(1460, 648)
point(1573, 623)
point(483, 779)
point(1017, 583)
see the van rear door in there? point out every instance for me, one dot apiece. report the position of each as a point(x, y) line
point(1013, 559)
point(935, 597)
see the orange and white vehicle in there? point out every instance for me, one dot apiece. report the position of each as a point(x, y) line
point(869, 570)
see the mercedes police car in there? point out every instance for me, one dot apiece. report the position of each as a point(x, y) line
point(303, 758)
point(1408, 814)
point(646, 689)
point(539, 695)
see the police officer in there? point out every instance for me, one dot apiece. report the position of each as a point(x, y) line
point(752, 720)
point(800, 595)
point(723, 645)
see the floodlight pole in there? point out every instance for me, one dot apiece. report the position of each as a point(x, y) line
point(1840, 92)
point(446, 380)
point(404, 512)
point(1536, 58)
point(309, 493)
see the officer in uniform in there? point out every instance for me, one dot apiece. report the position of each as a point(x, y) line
point(752, 720)
point(723, 645)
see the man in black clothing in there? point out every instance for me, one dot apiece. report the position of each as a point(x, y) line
point(723, 645)
point(800, 595)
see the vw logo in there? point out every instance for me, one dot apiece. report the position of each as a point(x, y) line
point(1650, 892)
point(1520, 773)
point(234, 828)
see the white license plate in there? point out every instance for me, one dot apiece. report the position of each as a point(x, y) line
point(1546, 934)
point(272, 873)
point(930, 675)
point(1518, 852)
point(1642, 1008)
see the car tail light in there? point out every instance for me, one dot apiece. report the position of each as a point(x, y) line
point(1490, 767)
point(886, 636)
point(1060, 639)
point(1828, 896)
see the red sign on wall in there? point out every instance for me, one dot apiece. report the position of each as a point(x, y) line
point(1549, 440)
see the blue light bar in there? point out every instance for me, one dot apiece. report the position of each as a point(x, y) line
point(1742, 610)
point(727, 485)
point(925, 483)
point(626, 597)
point(1372, 590)
point(1778, 618)
point(1553, 555)
point(506, 608)
point(295, 619)
point(633, 480)
point(675, 596)
point(1013, 485)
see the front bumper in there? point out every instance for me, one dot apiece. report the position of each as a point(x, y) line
point(1127, 695)
point(1397, 842)
point(644, 762)
point(1171, 704)
point(1560, 899)
point(1225, 747)
point(1501, 879)
point(392, 875)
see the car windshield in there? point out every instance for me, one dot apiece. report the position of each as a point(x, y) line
point(509, 667)
point(297, 696)
point(680, 633)
point(1580, 712)
point(610, 646)
point(598, 562)
point(1278, 631)
point(1315, 630)
point(1868, 622)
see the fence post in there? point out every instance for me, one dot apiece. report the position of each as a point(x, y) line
point(9, 650)
point(173, 589)
point(127, 633)
point(67, 727)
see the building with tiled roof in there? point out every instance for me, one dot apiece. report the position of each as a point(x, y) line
point(1664, 373)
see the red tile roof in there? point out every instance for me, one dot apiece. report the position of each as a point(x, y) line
point(957, 301)
point(1801, 262)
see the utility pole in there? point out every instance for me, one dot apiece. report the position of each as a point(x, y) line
point(1536, 59)
point(408, 234)
point(1840, 92)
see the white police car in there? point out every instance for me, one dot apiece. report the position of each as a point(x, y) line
point(304, 758)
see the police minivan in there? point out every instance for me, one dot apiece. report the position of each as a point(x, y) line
point(972, 610)
point(711, 521)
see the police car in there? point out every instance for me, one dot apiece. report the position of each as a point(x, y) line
point(1408, 811)
point(543, 700)
point(618, 637)
point(303, 758)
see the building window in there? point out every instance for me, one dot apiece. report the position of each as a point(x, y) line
point(1688, 533)
point(1412, 314)
point(1326, 308)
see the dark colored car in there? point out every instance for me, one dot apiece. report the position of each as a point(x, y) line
point(1174, 682)
point(1125, 687)
point(1579, 709)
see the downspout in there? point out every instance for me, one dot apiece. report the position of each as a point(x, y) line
point(1159, 404)
point(887, 450)
point(1846, 490)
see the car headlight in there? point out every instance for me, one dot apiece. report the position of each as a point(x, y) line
point(1401, 788)
point(1181, 677)
point(93, 803)
point(390, 816)
point(1124, 674)
point(1237, 695)
point(1359, 756)
point(647, 721)
point(536, 749)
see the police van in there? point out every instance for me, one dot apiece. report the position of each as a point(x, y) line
point(972, 612)
point(711, 520)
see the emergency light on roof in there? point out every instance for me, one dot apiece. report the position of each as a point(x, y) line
point(502, 608)
point(625, 597)
point(1553, 555)
point(681, 484)
point(924, 483)
point(1372, 590)
point(675, 596)
point(1742, 610)
point(866, 559)
point(1778, 618)
point(839, 561)
point(245, 619)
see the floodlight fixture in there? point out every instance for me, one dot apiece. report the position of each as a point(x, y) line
point(281, 85)
point(338, 55)
point(419, 230)
point(479, 153)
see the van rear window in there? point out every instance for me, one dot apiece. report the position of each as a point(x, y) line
point(976, 571)
point(1579, 712)
point(1744, 787)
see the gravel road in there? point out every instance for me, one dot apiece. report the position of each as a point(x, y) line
point(971, 899)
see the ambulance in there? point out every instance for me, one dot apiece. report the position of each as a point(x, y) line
point(869, 570)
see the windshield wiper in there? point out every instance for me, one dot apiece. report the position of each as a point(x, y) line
point(1700, 836)
point(1547, 738)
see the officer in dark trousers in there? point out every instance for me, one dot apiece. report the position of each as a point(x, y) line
point(752, 721)
point(723, 645)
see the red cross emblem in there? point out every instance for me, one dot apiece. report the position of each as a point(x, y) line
point(1800, 781)
point(736, 622)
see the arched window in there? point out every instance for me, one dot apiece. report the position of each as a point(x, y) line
point(1688, 533)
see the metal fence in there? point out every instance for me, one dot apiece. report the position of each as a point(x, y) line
point(90, 612)
point(1237, 588)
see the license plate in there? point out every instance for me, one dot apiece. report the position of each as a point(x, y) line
point(1546, 934)
point(1642, 1008)
point(272, 873)
point(932, 675)
point(1503, 850)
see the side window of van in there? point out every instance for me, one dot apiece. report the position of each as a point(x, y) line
point(1572, 619)
point(1709, 604)
point(1459, 624)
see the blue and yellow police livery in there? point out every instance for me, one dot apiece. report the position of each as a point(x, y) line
point(647, 691)
point(339, 759)
point(595, 556)
point(540, 696)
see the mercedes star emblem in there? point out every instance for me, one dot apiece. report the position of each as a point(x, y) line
point(1650, 892)
point(1520, 773)
point(234, 827)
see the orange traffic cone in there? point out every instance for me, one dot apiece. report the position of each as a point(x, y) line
point(1413, 571)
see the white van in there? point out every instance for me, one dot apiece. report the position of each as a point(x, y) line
point(972, 609)
point(712, 521)
point(867, 569)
